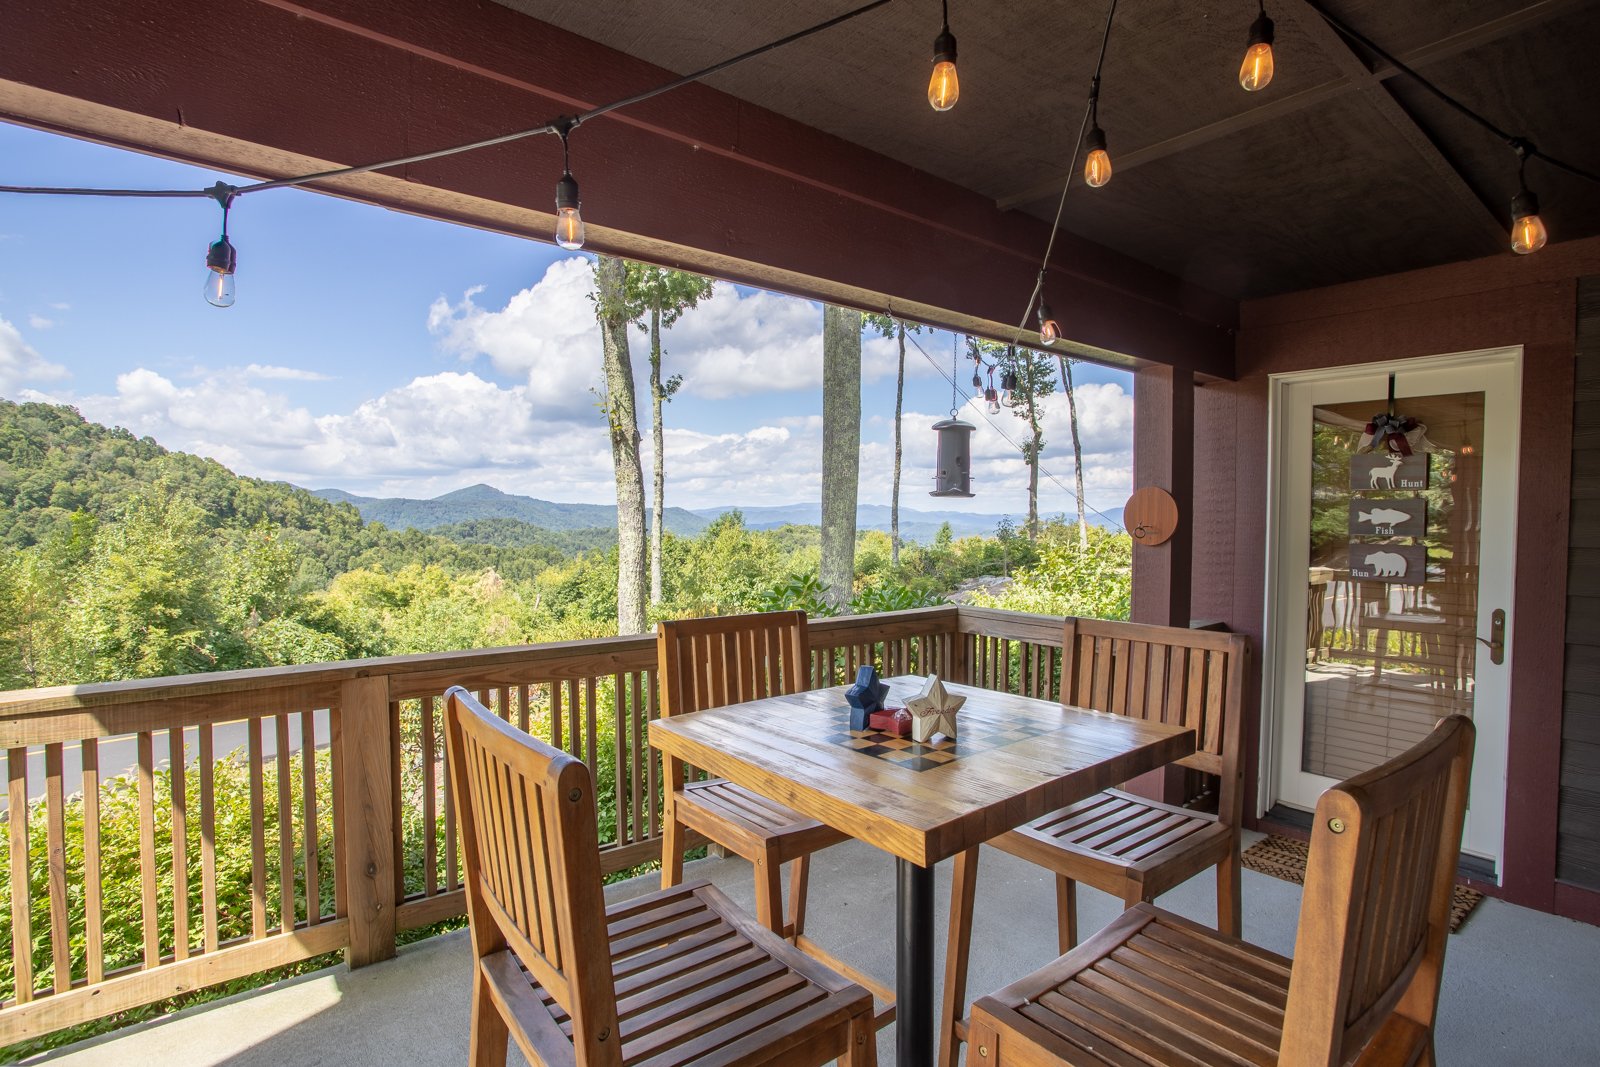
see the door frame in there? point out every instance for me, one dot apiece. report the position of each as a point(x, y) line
point(1276, 629)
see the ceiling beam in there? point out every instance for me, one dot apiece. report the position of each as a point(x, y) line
point(1277, 107)
point(1492, 227)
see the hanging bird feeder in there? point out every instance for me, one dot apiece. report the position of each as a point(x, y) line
point(952, 475)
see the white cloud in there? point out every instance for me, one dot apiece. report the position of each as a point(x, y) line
point(39, 322)
point(20, 363)
point(732, 345)
point(61, 305)
point(271, 372)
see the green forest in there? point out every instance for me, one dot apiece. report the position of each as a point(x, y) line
point(124, 560)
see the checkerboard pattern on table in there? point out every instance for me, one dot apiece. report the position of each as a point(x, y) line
point(975, 737)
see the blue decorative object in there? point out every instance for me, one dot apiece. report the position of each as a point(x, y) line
point(865, 697)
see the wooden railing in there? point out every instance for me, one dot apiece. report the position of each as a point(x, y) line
point(350, 834)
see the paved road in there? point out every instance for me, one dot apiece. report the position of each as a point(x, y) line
point(120, 755)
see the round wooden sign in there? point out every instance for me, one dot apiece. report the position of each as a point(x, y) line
point(1151, 515)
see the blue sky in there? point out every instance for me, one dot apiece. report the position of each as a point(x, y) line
point(386, 354)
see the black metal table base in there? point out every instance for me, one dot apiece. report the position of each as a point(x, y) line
point(913, 1021)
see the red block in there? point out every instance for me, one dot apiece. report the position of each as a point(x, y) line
point(895, 721)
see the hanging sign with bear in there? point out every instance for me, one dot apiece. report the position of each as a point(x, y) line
point(1400, 564)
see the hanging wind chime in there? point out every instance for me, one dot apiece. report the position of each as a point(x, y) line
point(952, 475)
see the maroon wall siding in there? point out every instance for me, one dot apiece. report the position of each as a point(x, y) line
point(1504, 300)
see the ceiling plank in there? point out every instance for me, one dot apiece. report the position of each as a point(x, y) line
point(1444, 48)
point(1491, 226)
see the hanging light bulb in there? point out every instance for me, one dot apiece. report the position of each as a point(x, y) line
point(1256, 70)
point(992, 400)
point(1008, 387)
point(1097, 164)
point(1049, 331)
point(1527, 228)
point(944, 88)
point(569, 223)
point(977, 379)
point(221, 258)
point(1528, 234)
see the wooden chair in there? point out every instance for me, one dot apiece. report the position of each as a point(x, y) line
point(710, 663)
point(1152, 988)
point(680, 976)
point(1117, 842)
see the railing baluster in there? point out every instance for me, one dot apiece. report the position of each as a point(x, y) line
point(619, 707)
point(147, 848)
point(589, 720)
point(21, 915)
point(176, 760)
point(207, 769)
point(93, 932)
point(258, 834)
point(286, 903)
point(638, 754)
point(554, 690)
point(56, 843)
point(308, 783)
point(430, 816)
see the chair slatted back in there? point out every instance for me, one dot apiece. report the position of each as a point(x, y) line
point(1167, 674)
point(533, 881)
point(711, 663)
point(1376, 911)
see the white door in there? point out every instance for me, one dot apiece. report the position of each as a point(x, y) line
point(1389, 579)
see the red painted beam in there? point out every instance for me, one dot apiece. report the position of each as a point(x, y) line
point(696, 178)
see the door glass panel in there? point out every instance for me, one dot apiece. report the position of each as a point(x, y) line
point(1393, 601)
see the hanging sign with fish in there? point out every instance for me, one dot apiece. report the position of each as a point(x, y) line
point(1405, 516)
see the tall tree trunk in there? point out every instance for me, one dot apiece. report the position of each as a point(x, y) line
point(899, 404)
point(658, 505)
point(841, 450)
point(1077, 449)
point(624, 424)
point(1035, 446)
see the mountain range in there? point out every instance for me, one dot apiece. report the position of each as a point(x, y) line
point(486, 502)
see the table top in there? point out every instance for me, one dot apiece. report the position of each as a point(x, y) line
point(1013, 759)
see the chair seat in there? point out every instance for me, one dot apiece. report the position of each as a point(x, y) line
point(699, 981)
point(716, 806)
point(1151, 988)
point(1117, 831)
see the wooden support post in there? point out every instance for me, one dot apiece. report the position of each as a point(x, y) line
point(366, 818)
point(1163, 456)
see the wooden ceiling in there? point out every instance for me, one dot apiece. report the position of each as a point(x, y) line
point(1339, 170)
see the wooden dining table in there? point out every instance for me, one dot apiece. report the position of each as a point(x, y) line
point(1014, 759)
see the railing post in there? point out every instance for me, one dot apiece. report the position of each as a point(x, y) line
point(960, 652)
point(366, 818)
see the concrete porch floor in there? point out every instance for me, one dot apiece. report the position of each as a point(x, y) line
point(1519, 986)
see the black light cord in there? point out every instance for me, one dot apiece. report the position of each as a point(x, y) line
point(553, 126)
point(1522, 146)
point(1089, 113)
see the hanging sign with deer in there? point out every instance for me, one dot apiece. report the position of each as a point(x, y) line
point(1379, 471)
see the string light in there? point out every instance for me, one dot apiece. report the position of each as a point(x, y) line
point(221, 258)
point(1097, 164)
point(569, 223)
point(1049, 329)
point(944, 88)
point(1528, 234)
point(1256, 70)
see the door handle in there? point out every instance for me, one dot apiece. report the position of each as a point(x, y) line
point(1497, 636)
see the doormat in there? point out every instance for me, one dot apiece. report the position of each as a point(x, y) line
point(1284, 857)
